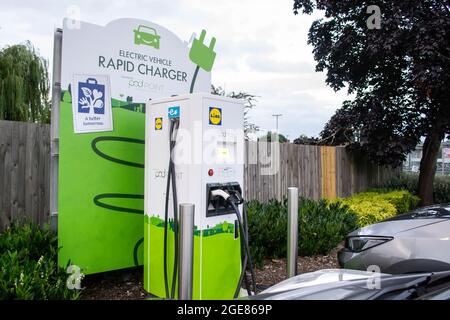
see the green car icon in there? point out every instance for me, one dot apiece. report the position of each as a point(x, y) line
point(146, 35)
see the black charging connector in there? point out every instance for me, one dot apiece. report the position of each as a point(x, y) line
point(225, 199)
point(218, 205)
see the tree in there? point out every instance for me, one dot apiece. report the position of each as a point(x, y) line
point(268, 137)
point(250, 103)
point(398, 71)
point(24, 85)
point(304, 139)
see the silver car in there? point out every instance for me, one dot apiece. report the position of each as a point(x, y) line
point(342, 284)
point(418, 241)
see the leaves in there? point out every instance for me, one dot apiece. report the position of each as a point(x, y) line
point(322, 226)
point(28, 268)
point(399, 74)
point(250, 103)
point(24, 85)
point(409, 181)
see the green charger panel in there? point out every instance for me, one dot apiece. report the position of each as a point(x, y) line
point(100, 198)
point(216, 262)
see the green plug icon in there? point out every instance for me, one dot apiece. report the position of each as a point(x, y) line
point(202, 55)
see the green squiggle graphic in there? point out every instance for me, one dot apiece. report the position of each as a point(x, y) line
point(135, 251)
point(121, 139)
point(99, 197)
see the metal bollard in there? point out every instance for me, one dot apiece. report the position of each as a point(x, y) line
point(186, 251)
point(292, 230)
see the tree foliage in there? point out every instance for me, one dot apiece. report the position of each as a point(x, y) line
point(304, 139)
point(276, 137)
point(250, 103)
point(24, 85)
point(398, 74)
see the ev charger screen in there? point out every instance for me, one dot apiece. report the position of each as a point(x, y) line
point(226, 152)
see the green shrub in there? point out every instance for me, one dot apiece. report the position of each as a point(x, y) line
point(372, 207)
point(441, 188)
point(28, 267)
point(322, 224)
point(321, 227)
point(410, 182)
point(267, 227)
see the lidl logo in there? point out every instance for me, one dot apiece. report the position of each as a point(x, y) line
point(158, 123)
point(174, 112)
point(215, 116)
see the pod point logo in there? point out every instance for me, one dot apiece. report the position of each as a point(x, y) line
point(146, 36)
point(158, 123)
point(215, 116)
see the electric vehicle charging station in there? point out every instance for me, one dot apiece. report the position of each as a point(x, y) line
point(204, 134)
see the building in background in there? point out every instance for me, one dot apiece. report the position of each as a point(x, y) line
point(412, 162)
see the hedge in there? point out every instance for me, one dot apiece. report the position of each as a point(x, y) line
point(28, 265)
point(410, 182)
point(322, 224)
point(321, 227)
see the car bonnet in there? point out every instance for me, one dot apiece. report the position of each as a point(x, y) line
point(393, 227)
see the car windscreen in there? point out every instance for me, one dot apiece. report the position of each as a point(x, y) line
point(432, 212)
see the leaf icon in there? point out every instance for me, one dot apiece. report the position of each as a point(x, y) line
point(97, 94)
point(86, 91)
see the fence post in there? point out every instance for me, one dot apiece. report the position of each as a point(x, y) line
point(292, 230)
point(186, 252)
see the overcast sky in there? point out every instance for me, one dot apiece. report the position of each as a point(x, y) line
point(261, 48)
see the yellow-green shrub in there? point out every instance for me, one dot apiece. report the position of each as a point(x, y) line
point(403, 200)
point(372, 207)
point(368, 210)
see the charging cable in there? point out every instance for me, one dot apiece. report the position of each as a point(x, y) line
point(171, 179)
point(234, 198)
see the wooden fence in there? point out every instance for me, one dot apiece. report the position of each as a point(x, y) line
point(269, 170)
point(24, 171)
point(318, 172)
